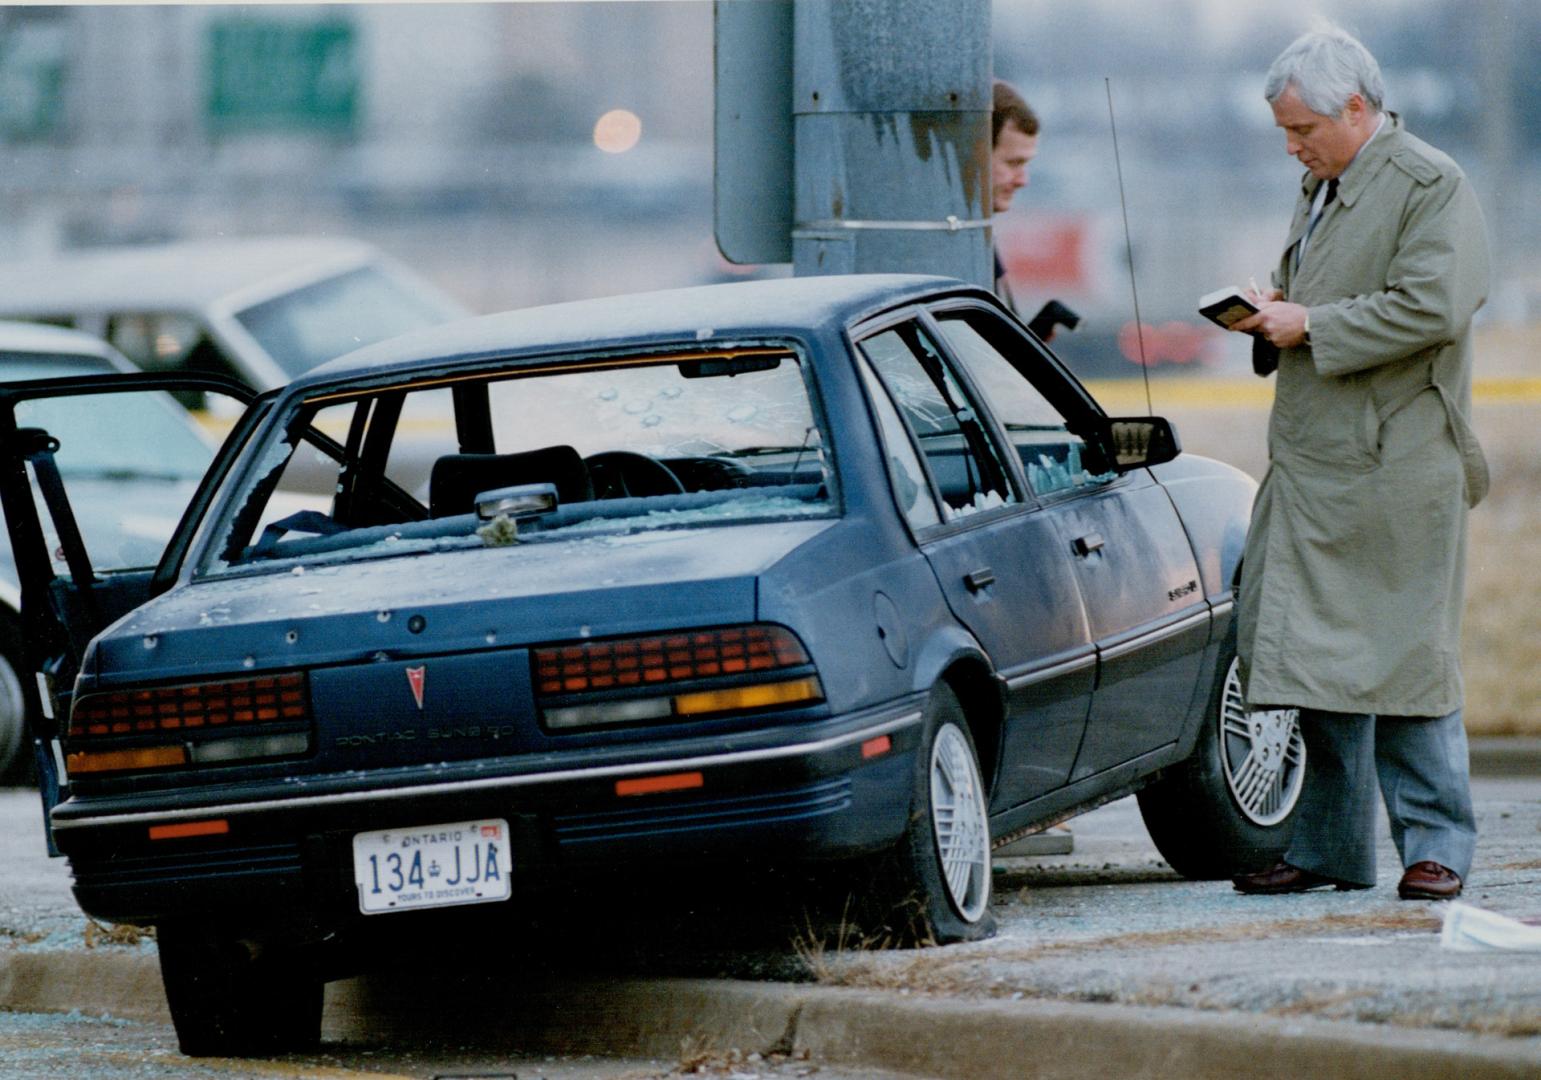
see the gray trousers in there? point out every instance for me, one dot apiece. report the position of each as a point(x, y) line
point(1423, 772)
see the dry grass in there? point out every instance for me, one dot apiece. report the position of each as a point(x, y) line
point(99, 933)
point(698, 1057)
point(956, 970)
point(1513, 1022)
point(817, 944)
point(1315, 926)
point(1502, 639)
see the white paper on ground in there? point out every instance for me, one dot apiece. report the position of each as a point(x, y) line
point(1471, 929)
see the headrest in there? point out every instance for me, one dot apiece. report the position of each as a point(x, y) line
point(457, 479)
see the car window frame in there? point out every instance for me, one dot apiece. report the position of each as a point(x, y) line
point(872, 387)
point(1065, 389)
point(1026, 499)
point(208, 555)
point(191, 530)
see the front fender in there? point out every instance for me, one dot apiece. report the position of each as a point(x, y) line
point(1214, 501)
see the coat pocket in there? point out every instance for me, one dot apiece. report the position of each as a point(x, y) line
point(1370, 425)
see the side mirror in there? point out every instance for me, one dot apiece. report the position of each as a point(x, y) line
point(1137, 442)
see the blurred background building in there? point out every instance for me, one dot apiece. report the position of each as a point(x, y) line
point(526, 153)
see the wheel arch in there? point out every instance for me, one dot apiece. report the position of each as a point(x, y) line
point(956, 658)
point(982, 695)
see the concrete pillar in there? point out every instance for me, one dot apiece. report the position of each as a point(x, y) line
point(891, 129)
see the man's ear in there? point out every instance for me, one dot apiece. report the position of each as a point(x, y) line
point(1355, 108)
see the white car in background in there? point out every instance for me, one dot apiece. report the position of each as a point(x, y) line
point(260, 309)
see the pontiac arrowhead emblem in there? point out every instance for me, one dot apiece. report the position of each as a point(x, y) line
point(415, 679)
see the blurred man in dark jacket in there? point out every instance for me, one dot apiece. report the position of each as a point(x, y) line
point(1015, 144)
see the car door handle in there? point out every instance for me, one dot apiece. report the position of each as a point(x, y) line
point(1085, 545)
point(982, 578)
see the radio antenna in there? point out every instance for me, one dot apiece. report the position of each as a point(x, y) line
point(1139, 327)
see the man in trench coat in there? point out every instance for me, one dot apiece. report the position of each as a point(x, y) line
point(1351, 588)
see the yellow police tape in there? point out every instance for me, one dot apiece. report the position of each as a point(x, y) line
point(1120, 397)
point(1127, 396)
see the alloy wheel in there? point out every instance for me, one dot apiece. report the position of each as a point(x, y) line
point(1262, 754)
point(960, 822)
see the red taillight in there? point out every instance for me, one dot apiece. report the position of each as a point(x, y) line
point(663, 677)
point(647, 661)
point(232, 704)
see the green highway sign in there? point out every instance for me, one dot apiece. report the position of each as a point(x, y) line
point(282, 74)
point(32, 75)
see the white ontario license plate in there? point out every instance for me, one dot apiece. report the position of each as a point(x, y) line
point(467, 862)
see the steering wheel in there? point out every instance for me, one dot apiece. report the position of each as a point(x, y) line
point(618, 474)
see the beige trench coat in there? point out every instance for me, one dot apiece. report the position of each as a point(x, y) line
point(1354, 573)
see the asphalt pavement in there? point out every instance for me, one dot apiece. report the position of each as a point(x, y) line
point(1106, 964)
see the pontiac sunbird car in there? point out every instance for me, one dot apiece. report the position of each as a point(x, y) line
point(846, 571)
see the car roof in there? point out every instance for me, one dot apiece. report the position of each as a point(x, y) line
point(178, 276)
point(704, 314)
point(23, 337)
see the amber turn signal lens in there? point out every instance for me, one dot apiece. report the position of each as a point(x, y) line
point(757, 696)
point(139, 757)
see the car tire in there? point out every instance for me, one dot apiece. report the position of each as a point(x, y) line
point(234, 998)
point(16, 698)
point(933, 888)
point(1229, 809)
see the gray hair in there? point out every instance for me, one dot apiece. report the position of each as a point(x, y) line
point(1326, 67)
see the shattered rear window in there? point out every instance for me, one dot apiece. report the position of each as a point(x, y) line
point(550, 449)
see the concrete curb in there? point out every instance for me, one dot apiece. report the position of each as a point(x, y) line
point(993, 1040)
point(940, 1037)
point(122, 984)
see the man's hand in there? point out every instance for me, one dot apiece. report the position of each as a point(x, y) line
point(1282, 323)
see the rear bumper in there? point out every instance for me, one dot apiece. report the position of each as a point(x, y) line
point(836, 788)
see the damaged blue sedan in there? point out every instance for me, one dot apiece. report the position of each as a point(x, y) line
point(843, 571)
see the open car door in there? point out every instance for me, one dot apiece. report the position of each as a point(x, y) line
point(103, 480)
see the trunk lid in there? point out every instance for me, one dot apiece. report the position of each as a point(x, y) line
point(423, 659)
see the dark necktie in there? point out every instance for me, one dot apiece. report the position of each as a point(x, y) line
point(1332, 193)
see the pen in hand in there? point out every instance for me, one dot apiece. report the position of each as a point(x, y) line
point(1257, 294)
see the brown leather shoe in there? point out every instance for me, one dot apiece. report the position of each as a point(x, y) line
point(1281, 877)
point(1429, 881)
